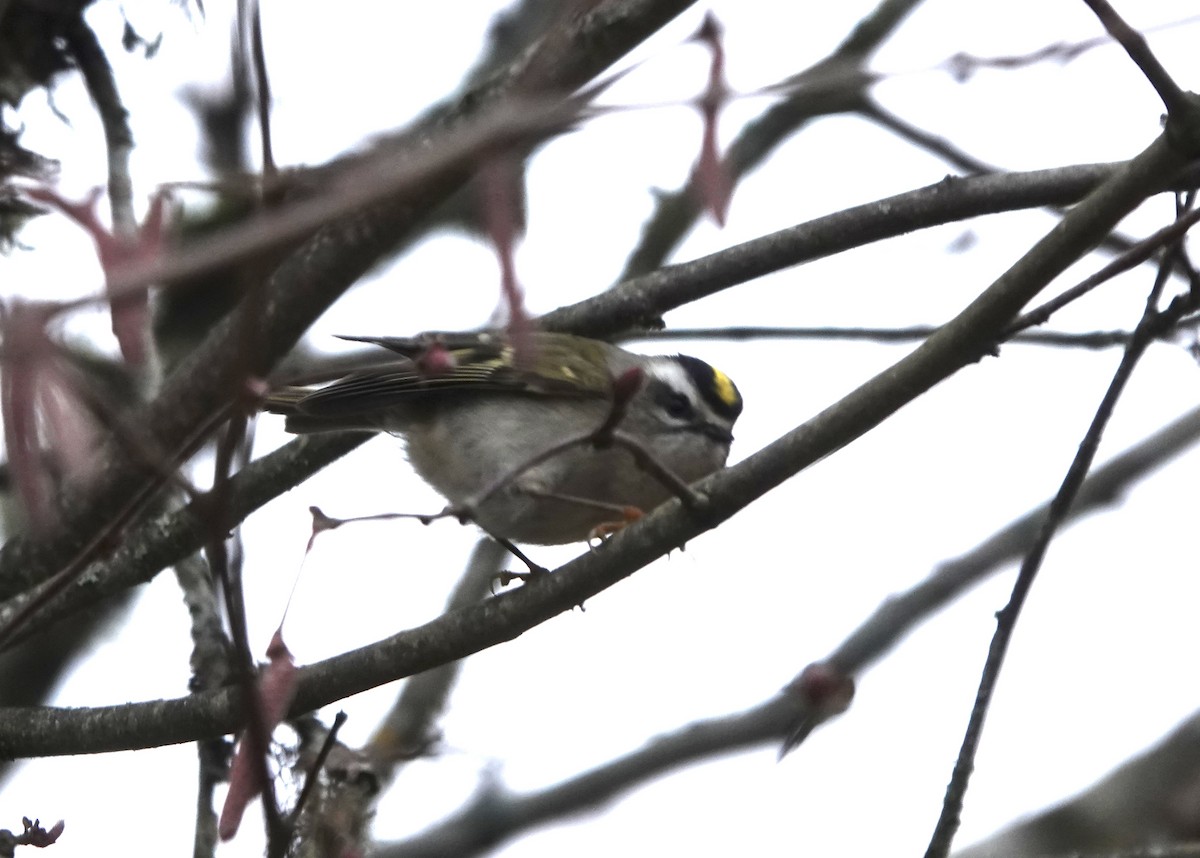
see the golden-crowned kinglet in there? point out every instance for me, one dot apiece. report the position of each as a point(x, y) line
point(473, 410)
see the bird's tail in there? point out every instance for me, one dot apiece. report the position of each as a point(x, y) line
point(287, 401)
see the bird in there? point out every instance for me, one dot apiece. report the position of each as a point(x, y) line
point(517, 431)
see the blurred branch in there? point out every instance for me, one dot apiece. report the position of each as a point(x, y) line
point(169, 538)
point(1146, 807)
point(118, 137)
point(262, 84)
point(494, 816)
point(836, 84)
point(913, 333)
point(210, 671)
point(328, 263)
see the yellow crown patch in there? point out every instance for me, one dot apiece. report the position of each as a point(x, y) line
point(723, 386)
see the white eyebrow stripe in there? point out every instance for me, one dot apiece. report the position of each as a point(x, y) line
point(673, 375)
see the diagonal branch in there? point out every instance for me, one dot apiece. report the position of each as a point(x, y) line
point(961, 341)
point(1152, 324)
point(1173, 97)
point(474, 827)
point(671, 287)
point(833, 85)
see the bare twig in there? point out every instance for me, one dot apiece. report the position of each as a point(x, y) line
point(114, 118)
point(463, 834)
point(647, 461)
point(1152, 324)
point(912, 333)
point(626, 305)
point(1173, 97)
point(210, 670)
point(262, 86)
point(833, 85)
point(1115, 242)
point(314, 771)
point(1139, 253)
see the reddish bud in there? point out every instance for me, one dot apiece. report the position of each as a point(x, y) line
point(825, 688)
point(710, 178)
point(436, 360)
point(130, 311)
point(276, 688)
point(626, 385)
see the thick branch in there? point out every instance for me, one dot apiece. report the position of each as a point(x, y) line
point(496, 817)
point(328, 263)
point(671, 287)
point(961, 341)
point(650, 295)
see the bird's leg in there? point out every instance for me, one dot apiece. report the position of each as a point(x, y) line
point(624, 514)
point(535, 571)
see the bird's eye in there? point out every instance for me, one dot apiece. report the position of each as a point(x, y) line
point(678, 406)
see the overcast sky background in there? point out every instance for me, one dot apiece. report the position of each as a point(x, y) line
point(723, 625)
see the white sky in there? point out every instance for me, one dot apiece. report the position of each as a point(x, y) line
point(748, 606)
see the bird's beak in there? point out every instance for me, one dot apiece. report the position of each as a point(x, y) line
point(720, 434)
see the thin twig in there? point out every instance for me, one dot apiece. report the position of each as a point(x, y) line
point(835, 84)
point(114, 118)
point(1115, 242)
point(314, 771)
point(909, 334)
point(1173, 97)
point(646, 460)
point(262, 88)
point(1151, 325)
point(227, 569)
point(1139, 253)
